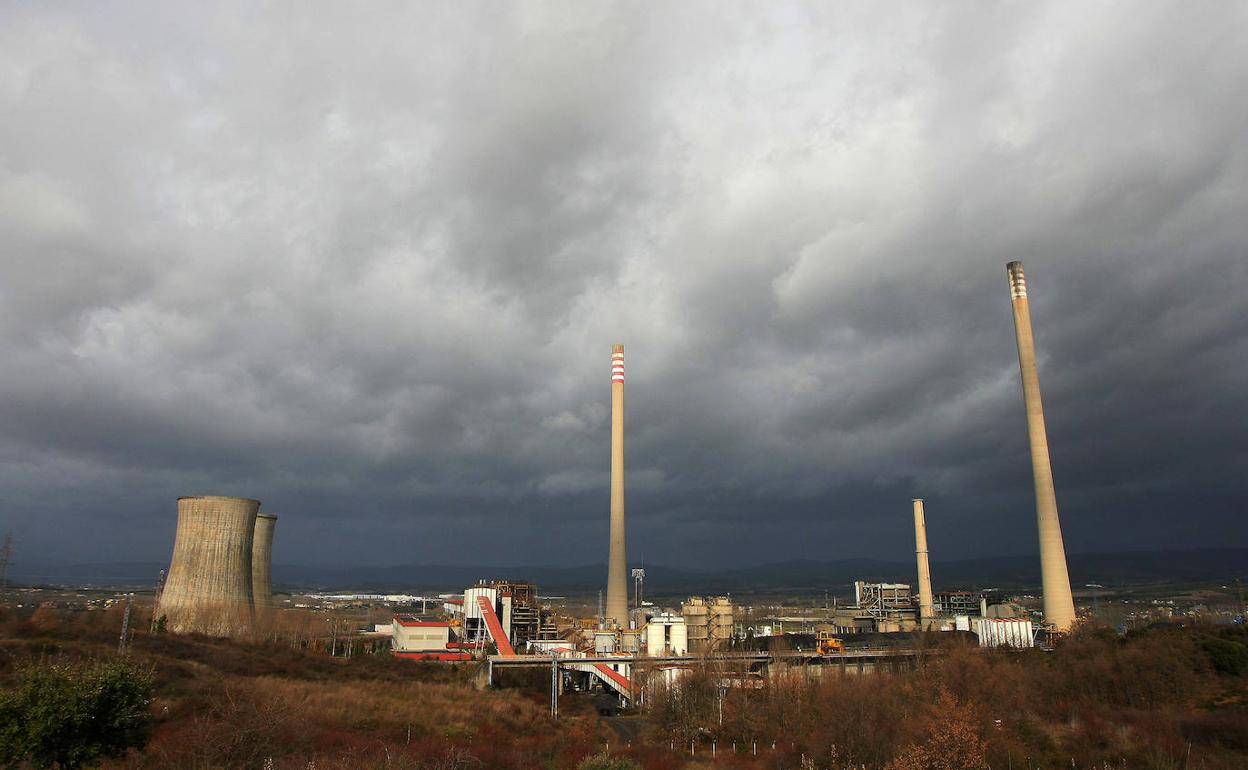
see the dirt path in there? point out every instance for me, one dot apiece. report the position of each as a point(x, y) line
point(627, 729)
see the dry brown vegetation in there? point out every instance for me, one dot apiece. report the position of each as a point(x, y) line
point(1164, 698)
point(224, 704)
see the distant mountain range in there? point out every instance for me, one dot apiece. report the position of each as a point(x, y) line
point(798, 576)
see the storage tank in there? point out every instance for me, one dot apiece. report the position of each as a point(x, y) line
point(208, 589)
point(262, 565)
point(656, 643)
point(666, 635)
point(679, 638)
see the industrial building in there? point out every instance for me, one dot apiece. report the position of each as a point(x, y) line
point(999, 632)
point(413, 633)
point(525, 618)
point(891, 606)
point(950, 603)
point(708, 622)
point(510, 606)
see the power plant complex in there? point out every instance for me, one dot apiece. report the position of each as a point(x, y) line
point(220, 582)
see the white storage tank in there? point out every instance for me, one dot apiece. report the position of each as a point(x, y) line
point(679, 639)
point(667, 635)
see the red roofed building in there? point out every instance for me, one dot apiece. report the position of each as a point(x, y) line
point(417, 634)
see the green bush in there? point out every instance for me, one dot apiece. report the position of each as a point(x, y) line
point(604, 762)
point(1227, 658)
point(74, 715)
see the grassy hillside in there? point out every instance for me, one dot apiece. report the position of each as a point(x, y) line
point(1163, 698)
point(226, 704)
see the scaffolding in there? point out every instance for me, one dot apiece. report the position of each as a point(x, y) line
point(884, 600)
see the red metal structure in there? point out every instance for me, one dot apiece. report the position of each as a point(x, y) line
point(615, 677)
point(496, 628)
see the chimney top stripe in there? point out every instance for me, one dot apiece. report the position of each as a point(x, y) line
point(1018, 280)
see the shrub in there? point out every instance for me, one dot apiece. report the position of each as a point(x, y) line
point(604, 762)
point(1227, 658)
point(74, 715)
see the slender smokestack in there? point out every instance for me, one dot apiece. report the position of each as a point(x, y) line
point(926, 610)
point(617, 580)
point(1059, 604)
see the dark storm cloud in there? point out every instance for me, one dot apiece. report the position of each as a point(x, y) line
point(367, 268)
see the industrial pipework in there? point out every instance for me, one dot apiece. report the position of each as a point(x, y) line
point(1059, 603)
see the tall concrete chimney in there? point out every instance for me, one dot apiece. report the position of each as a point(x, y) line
point(926, 609)
point(262, 565)
point(617, 579)
point(208, 589)
point(1059, 604)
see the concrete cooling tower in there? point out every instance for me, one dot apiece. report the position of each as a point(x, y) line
point(208, 589)
point(262, 564)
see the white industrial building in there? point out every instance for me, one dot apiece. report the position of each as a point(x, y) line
point(412, 634)
point(999, 632)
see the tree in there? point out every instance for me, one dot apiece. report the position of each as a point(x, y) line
point(953, 742)
point(68, 715)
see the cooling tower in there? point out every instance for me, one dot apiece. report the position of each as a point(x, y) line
point(926, 611)
point(1059, 604)
point(208, 589)
point(617, 581)
point(262, 564)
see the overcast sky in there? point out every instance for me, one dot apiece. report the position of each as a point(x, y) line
point(366, 263)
